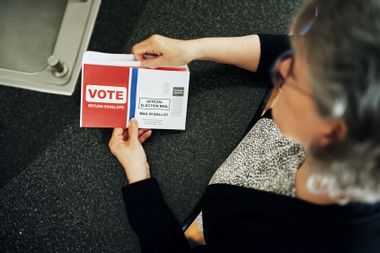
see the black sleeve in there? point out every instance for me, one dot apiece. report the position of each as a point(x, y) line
point(271, 46)
point(152, 220)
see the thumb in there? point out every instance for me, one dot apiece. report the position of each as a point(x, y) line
point(133, 130)
point(153, 62)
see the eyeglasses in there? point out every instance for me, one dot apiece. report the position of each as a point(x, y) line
point(278, 80)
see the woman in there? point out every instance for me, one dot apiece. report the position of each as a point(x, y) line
point(328, 102)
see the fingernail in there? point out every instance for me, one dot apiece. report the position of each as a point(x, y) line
point(133, 121)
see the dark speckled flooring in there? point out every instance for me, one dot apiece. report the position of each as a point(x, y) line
point(60, 186)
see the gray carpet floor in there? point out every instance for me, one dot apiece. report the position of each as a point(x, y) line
point(61, 187)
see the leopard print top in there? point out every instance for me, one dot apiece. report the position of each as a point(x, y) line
point(264, 160)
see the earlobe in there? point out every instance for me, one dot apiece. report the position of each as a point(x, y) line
point(338, 131)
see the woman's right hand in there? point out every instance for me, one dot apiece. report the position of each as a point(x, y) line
point(162, 51)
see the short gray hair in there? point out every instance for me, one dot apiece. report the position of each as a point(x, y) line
point(341, 43)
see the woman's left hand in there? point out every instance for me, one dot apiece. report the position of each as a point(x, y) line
point(125, 144)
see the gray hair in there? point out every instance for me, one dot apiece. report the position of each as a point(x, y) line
point(340, 40)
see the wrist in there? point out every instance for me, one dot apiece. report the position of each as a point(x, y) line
point(137, 178)
point(192, 50)
point(135, 174)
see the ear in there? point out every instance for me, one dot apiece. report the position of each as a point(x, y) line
point(337, 131)
point(284, 67)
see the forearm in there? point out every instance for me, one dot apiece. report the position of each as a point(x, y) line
point(152, 220)
point(243, 52)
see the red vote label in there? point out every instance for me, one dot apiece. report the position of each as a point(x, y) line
point(104, 96)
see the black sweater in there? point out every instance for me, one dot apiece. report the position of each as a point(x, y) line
point(238, 219)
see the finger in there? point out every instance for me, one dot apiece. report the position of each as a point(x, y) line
point(143, 130)
point(139, 55)
point(125, 134)
point(145, 136)
point(117, 132)
point(153, 62)
point(133, 130)
point(144, 50)
point(139, 50)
